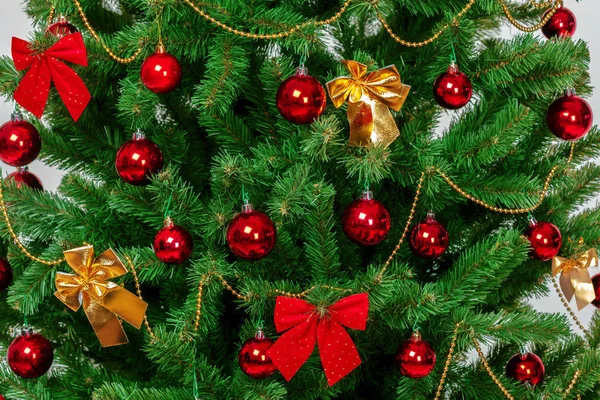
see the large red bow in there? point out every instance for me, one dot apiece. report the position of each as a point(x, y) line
point(46, 67)
point(310, 324)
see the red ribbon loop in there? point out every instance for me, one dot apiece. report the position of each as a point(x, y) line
point(44, 68)
point(307, 327)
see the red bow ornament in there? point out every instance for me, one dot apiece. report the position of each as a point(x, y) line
point(46, 67)
point(307, 324)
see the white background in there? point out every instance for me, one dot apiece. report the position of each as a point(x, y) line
point(13, 22)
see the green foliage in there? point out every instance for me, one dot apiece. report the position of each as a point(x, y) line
point(221, 133)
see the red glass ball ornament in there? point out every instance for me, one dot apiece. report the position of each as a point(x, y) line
point(61, 28)
point(138, 159)
point(173, 244)
point(22, 176)
point(452, 89)
point(20, 142)
point(301, 98)
point(366, 221)
point(596, 283)
point(253, 357)
point(2, 397)
point(251, 235)
point(569, 117)
point(545, 239)
point(5, 274)
point(526, 368)
point(30, 355)
point(161, 72)
point(429, 238)
point(562, 24)
point(415, 358)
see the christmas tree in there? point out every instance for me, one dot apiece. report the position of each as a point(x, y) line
point(286, 219)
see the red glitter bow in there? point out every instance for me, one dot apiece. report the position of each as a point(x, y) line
point(46, 67)
point(307, 325)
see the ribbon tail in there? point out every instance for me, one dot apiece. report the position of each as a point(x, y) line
point(566, 286)
point(583, 287)
point(70, 87)
point(105, 323)
point(126, 305)
point(293, 348)
point(338, 352)
point(33, 90)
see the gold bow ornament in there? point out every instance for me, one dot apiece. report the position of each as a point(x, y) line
point(370, 96)
point(104, 302)
point(575, 277)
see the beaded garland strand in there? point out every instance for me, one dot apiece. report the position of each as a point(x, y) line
point(553, 4)
point(207, 278)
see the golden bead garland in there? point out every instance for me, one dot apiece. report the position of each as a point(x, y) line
point(411, 215)
point(109, 51)
point(556, 4)
point(432, 38)
point(440, 388)
point(15, 237)
point(535, 27)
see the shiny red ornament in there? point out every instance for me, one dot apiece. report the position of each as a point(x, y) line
point(429, 239)
point(5, 274)
point(301, 98)
point(596, 283)
point(545, 239)
point(161, 72)
point(251, 235)
point(415, 358)
point(138, 159)
point(22, 176)
point(253, 357)
point(173, 244)
point(562, 24)
point(452, 89)
point(569, 117)
point(47, 67)
point(304, 325)
point(30, 355)
point(20, 142)
point(61, 28)
point(526, 368)
point(366, 221)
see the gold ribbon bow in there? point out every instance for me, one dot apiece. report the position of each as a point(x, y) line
point(370, 96)
point(103, 301)
point(575, 277)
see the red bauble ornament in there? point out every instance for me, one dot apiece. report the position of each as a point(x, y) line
point(452, 89)
point(61, 28)
point(20, 142)
point(251, 235)
point(415, 358)
point(366, 221)
point(173, 244)
point(253, 357)
point(301, 98)
point(526, 368)
point(562, 24)
point(545, 239)
point(5, 273)
point(22, 176)
point(569, 117)
point(429, 239)
point(161, 72)
point(138, 159)
point(596, 283)
point(30, 355)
